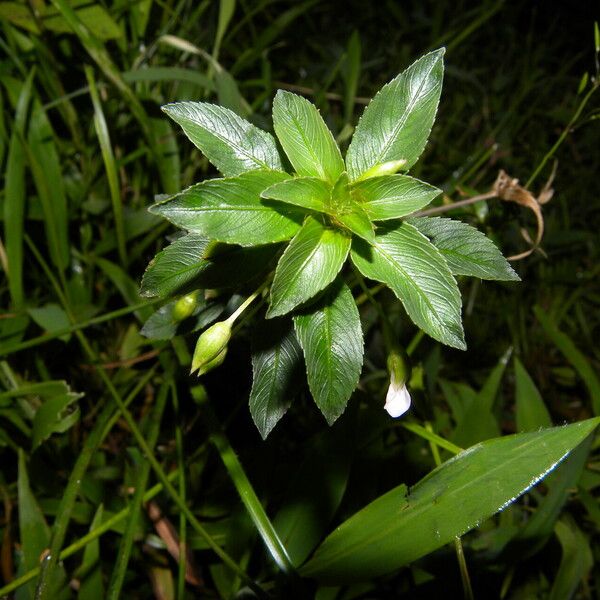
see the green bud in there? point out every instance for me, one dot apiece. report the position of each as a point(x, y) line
point(214, 363)
point(398, 365)
point(386, 168)
point(185, 306)
point(211, 347)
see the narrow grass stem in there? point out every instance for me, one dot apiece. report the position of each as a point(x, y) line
point(246, 491)
point(83, 541)
point(182, 493)
point(564, 133)
point(109, 164)
point(52, 335)
point(126, 545)
point(169, 488)
point(431, 437)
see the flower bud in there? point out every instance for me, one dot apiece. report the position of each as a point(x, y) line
point(397, 400)
point(386, 168)
point(211, 348)
point(185, 306)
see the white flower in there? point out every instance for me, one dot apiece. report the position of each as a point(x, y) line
point(397, 401)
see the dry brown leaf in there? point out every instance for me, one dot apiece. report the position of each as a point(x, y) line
point(168, 534)
point(508, 189)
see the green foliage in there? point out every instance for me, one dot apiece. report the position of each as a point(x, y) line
point(400, 527)
point(390, 135)
point(114, 458)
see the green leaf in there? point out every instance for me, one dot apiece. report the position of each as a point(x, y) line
point(576, 562)
point(33, 529)
point(231, 266)
point(355, 219)
point(175, 266)
point(56, 415)
point(89, 573)
point(162, 324)
point(347, 213)
point(407, 262)
point(399, 528)
point(232, 211)
point(397, 122)
point(276, 357)
point(393, 196)
point(534, 533)
point(193, 262)
point(305, 138)
point(229, 142)
point(310, 193)
point(50, 318)
point(478, 422)
point(309, 264)
point(532, 413)
point(581, 364)
point(331, 338)
point(466, 250)
point(317, 488)
point(34, 536)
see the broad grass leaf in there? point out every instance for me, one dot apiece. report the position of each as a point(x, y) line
point(34, 537)
point(399, 528)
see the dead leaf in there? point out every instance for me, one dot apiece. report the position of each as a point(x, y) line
point(508, 189)
point(168, 534)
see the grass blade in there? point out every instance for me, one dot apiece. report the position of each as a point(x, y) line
point(14, 204)
point(581, 364)
point(109, 164)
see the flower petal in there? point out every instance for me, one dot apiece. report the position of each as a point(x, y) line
point(397, 401)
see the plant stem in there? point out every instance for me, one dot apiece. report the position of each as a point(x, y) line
point(436, 210)
point(464, 572)
point(247, 302)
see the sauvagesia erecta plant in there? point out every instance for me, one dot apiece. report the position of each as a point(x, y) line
point(294, 222)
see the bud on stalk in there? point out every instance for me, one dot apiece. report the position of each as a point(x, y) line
point(211, 348)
